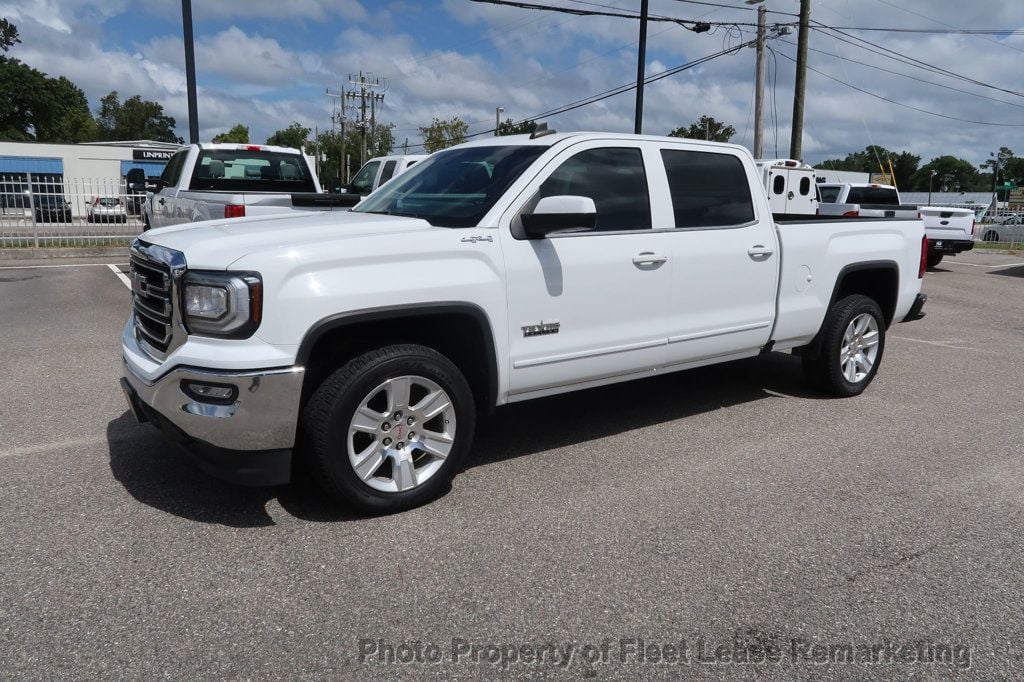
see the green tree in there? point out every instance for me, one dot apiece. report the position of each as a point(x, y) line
point(705, 128)
point(380, 141)
point(509, 127)
point(239, 134)
point(951, 175)
point(8, 35)
point(134, 119)
point(444, 133)
point(36, 107)
point(293, 136)
point(874, 159)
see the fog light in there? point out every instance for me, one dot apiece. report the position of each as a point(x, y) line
point(218, 394)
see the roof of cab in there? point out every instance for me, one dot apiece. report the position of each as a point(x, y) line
point(553, 138)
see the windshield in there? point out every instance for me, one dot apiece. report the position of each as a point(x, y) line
point(455, 188)
point(363, 181)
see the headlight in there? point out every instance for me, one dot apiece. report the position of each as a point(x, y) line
point(225, 304)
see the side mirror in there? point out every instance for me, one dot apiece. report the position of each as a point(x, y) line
point(560, 213)
point(135, 176)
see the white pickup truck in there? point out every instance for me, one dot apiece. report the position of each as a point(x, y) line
point(950, 230)
point(209, 181)
point(379, 170)
point(493, 272)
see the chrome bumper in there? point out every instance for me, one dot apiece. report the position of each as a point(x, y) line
point(263, 417)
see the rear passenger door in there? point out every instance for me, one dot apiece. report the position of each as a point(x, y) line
point(724, 254)
point(164, 200)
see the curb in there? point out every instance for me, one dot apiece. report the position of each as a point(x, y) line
point(47, 253)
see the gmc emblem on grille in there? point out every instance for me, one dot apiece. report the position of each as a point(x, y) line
point(139, 284)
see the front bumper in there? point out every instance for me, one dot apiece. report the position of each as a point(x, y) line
point(950, 246)
point(248, 441)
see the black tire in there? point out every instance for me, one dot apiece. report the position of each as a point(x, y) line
point(934, 259)
point(326, 417)
point(991, 236)
point(823, 369)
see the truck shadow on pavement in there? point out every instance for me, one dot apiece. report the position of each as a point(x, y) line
point(158, 473)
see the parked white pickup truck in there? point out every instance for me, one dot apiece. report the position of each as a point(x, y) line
point(209, 181)
point(950, 230)
point(493, 272)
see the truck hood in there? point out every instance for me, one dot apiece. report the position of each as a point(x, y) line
point(216, 244)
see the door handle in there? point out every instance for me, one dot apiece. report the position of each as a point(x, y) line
point(759, 252)
point(648, 258)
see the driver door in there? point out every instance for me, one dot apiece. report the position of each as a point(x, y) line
point(588, 306)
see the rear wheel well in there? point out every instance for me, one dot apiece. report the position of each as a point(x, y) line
point(460, 336)
point(879, 283)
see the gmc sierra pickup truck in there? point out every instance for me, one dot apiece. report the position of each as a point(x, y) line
point(495, 271)
point(210, 181)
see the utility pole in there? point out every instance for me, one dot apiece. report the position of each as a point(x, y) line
point(497, 119)
point(340, 117)
point(365, 93)
point(641, 62)
point(796, 141)
point(759, 87)
point(190, 71)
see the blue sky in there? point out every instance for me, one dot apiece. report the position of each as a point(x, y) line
point(266, 63)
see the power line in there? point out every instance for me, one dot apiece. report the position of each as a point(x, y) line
point(907, 75)
point(859, 42)
point(619, 14)
point(901, 104)
point(942, 23)
point(593, 99)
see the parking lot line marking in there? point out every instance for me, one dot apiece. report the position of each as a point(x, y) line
point(48, 447)
point(121, 276)
point(979, 265)
point(936, 343)
point(65, 265)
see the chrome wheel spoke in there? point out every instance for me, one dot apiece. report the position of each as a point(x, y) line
point(398, 393)
point(870, 339)
point(432, 405)
point(367, 420)
point(437, 444)
point(404, 472)
point(368, 461)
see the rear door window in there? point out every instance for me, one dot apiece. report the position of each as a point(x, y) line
point(708, 189)
point(246, 170)
point(172, 171)
point(829, 195)
point(873, 195)
point(388, 172)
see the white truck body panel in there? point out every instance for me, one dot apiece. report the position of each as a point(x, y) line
point(712, 299)
point(790, 186)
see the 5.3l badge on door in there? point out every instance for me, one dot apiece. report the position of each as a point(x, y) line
point(541, 329)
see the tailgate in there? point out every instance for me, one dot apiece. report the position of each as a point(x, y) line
point(949, 223)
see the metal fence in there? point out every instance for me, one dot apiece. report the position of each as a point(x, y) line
point(1001, 227)
point(52, 210)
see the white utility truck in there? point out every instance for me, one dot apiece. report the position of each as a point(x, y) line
point(790, 186)
point(221, 180)
point(950, 230)
point(495, 271)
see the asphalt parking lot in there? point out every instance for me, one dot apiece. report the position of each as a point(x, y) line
point(722, 511)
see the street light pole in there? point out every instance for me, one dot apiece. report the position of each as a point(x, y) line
point(931, 179)
point(498, 111)
point(638, 117)
point(190, 71)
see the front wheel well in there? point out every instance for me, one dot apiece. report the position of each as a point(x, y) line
point(462, 335)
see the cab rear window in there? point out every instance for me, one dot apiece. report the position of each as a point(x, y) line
point(246, 170)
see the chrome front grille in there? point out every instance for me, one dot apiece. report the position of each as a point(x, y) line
point(155, 276)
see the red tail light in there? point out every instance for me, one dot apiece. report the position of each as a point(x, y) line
point(253, 148)
point(924, 257)
point(96, 201)
point(234, 210)
point(852, 214)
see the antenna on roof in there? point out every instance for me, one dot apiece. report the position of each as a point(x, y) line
point(541, 130)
